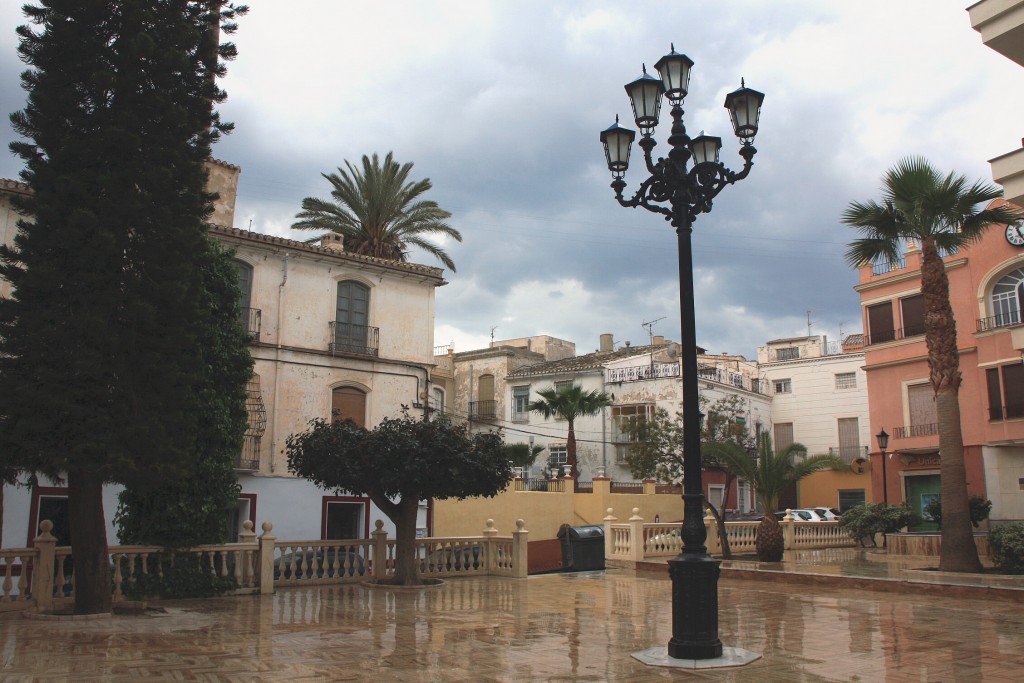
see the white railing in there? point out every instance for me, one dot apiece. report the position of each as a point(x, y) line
point(641, 372)
point(255, 565)
point(665, 540)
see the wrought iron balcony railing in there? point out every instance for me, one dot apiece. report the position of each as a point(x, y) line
point(251, 318)
point(1004, 320)
point(249, 457)
point(483, 410)
point(849, 453)
point(637, 373)
point(888, 266)
point(358, 339)
point(915, 430)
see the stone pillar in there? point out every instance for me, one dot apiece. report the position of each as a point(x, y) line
point(248, 556)
point(490, 548)
point(788, 530)
point(650, 487)
point(609, 545)
point(42, 566)
point(267, 542)
point(520, 550)
point(711, 525)
point(636, 536)
point(379, 563)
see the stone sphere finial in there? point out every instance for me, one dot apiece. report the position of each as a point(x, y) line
point(46, 526)
point(379, 524)
point(267, 526)
point(490, 524)
point(247, 525)
point(520, 524)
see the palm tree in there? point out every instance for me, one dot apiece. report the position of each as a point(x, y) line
point(941, 213)
point(770, 474)
point(379, 212)
point(569, 402)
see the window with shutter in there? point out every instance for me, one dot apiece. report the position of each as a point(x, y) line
point(921, 401)
point(349, 403)
point(912, 311)
point(880, 327)
point(783, 435)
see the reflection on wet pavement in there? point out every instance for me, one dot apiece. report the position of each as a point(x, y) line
point(557, 627)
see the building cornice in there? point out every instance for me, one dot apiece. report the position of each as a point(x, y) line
point(913, 359)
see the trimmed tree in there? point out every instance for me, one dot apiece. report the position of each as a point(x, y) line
point(100, 343)
point(569, 402)
point(942, 214)
point(399, 463)
point(769, 475)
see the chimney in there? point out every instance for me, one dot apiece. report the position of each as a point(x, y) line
point(333, 240)
point(607, 343)
point(659, 339)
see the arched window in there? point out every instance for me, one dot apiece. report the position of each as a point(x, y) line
point(349, 403)
point(1007, 299)
point(352, 318)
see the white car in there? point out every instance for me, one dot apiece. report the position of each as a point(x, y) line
point(827, 514)
point(801, 515)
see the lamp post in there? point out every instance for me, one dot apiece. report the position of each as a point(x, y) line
point(883, 443)
point(680, 188)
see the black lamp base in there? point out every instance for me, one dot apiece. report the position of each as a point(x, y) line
point(694, 607)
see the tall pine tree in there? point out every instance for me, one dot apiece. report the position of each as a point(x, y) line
point(100, 343)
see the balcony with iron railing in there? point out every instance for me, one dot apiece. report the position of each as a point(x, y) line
point(360, 340)
point(250, 319)
point(1011, 319)
point(883, 336)
point(716, 374)
point(849, 454)
point(248, 458)
point(888, 266)
point(483, 410)
point(909, 431)
point(639, 373)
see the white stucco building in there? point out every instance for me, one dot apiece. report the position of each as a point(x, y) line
point(331, 331)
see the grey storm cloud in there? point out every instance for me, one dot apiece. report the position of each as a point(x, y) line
point(500, 105)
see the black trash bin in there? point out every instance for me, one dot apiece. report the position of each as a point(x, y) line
point(582, 547)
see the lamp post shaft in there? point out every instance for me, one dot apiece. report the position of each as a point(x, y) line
point(694, 573)
point(885, 481)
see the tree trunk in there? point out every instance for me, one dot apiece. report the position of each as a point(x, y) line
point(406, 569)
point(958, 552)
point(89, 543)
point(570, 452)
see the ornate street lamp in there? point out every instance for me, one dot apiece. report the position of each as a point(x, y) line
point(680, 188)
point(883, 443)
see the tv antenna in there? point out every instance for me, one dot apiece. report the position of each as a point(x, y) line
point(493, 328)
point(650, 333)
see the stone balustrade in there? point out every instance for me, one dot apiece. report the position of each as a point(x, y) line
point(665, 540)
point(258, 565)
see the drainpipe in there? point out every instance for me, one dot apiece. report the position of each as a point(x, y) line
point(277, 359)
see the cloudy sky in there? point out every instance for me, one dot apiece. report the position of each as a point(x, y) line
point(500, 105)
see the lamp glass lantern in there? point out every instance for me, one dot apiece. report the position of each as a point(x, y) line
point(705, 149)
point(744, 107)
point(645, 96)
point(883, 440)
point(675, 74)
point(616, 141)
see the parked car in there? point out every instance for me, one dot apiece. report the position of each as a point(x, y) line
point(311, 560)
point(800, 515)
point(828, 514)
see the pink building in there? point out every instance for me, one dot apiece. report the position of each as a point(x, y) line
point(986, 283)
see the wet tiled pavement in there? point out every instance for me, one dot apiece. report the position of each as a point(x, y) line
point(556, 627)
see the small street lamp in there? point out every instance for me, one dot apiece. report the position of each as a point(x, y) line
point(883, 443)
point(687, 182)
